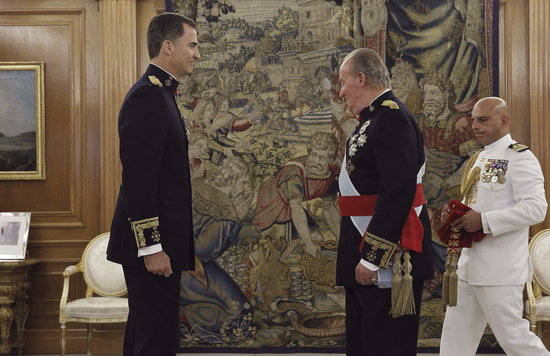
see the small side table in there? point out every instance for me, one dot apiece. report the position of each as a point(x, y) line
point(14, 287)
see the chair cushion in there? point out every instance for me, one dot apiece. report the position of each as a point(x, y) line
point(104, 277)
point(542, 306)
point(97, 307)
point(540, 256)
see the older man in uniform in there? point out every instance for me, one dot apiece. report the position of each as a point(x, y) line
point(504, 187)
point(383, 212)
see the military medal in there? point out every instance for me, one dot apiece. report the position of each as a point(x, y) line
point(494, 171)
point(359, 139)
point(349, 167)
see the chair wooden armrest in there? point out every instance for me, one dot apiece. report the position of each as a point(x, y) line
point(531, 298)
point(69, 271)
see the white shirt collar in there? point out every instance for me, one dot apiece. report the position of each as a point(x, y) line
point(500, 144)
point(379, 95)
point(173, 76)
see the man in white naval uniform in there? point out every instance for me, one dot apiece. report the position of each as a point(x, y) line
point(506, 197)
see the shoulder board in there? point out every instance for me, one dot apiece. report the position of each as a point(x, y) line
point(391, 104)
point(518, 147)
point(155, 81)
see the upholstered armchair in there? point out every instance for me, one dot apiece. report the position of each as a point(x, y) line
point(537, 306)
point(104, 287)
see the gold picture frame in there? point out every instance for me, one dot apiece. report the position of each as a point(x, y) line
point(22, 127)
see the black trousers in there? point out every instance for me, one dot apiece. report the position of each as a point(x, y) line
point(151, 329)
point(370, 329)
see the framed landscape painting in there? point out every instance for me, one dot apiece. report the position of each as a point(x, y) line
point(22, 146)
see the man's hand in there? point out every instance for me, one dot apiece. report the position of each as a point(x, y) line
point(365, 276)
point(158, 263)
point(469, 222)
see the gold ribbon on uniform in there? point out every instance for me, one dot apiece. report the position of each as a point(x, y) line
point(470, 177)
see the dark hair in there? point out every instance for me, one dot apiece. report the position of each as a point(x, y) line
point(166, 26)
point(368, 62)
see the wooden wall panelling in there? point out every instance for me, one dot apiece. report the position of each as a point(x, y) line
point(513, 65)
point(118, 73)
point(539, 90)
point(65, 206)
point(524, 77)
point(122, 22)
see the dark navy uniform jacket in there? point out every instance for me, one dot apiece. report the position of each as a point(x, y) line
point(154, 203)
point(386, 165)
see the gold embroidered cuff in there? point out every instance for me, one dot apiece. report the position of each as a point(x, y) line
point(381, 250)
point(146, 232)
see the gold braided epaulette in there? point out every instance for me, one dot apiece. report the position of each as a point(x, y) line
point(518, 147)
point(155, 81)
point(390, 104)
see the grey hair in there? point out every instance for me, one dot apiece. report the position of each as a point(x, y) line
point(368, 62)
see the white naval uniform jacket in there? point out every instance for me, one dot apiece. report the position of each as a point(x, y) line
point(507, 210)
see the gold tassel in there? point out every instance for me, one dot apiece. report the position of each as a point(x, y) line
point(450, 278)
point(405, 301)
point(395, 282)
point(445, 296)
point(453, 282)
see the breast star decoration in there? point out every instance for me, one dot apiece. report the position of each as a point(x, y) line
point(359, 139)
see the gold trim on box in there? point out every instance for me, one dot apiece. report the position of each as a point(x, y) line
point(377, 243)
point(139, 228)
point(40, 147)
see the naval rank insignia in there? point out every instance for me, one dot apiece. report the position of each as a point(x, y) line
point(518, 147)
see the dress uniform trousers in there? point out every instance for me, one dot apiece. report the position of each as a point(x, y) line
point(154, 304)
point(501, 307)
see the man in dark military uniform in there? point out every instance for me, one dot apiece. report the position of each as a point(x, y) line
point(384, 218)
point(152, 230)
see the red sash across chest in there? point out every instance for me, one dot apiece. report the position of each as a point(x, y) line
point(364, 205)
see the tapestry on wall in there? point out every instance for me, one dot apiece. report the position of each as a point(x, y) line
point(267, 130)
